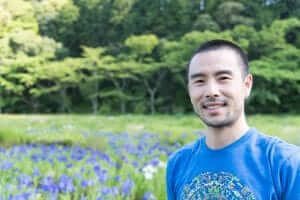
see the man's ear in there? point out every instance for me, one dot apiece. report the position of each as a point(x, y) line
point(248, 84)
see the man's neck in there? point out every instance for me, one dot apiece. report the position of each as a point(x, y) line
point(217, 138)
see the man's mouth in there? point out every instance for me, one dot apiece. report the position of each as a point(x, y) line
point(213, 105)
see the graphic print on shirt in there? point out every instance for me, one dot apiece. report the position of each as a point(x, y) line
point(216, 186)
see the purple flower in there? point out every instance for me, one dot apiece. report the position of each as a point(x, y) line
point(86, 183)
point(65, 184)
point(102, 176)
point(106, 190)
point(25, 180)
point(97, 169)
point(63, 159)
point(69, 165)
point(114, 191)
point(117, 178)
point(78, 154)
point(127, 187)
point(24, 196)
point(54, 196)
point(36, 172)
point(149, 196)
point(35, 157)
point(6, 166)
point(154, 162)
point(48, 185)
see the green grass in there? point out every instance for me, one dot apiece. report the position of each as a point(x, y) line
point(70, 129)
point(67, 128)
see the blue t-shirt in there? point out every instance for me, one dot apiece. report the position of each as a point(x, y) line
point(255, 167)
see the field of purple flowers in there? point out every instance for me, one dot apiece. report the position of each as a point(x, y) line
point(132, 166)
point(92, 158)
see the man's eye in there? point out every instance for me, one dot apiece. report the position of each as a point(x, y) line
point(199, 81)
point(224, 78)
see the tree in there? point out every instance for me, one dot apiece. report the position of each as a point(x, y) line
point(205, 22)
point(231, 13)
point(272, 38)
point(18, 78)
point(61, 77)
point(151, 73)
point(94, 62)
point(246, 36)
point(18, 15)
point(277, 79)
point(23, 53)
point(163, 18)
point(57, 20)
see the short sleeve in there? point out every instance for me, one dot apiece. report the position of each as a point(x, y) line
point(176, 166)
point(290, 172)
point(169, 180)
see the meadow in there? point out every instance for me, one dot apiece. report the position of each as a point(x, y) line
point(102, 157)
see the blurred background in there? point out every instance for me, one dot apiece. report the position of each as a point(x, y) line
point(130, 56)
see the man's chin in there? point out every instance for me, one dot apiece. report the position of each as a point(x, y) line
point(215, 123)
point(218, 123)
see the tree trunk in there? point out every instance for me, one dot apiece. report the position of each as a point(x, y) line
point(123, 101)
point(64, 104)
point(95, 102)
point(123, 106)
point(152, 101)
point(35, 106)
point(95, 105)
point(121, 87)
point(153, 90)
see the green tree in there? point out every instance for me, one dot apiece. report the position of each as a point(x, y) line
point(163, 18)
point(231, 13)
point(205, 22)
point(18, 14)
point(59, 77)
point(18, 80)
point(151, 73)
point(278, 77)
point(57, 20)
point(95, 62)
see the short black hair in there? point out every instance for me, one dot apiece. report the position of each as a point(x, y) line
point(222, 44)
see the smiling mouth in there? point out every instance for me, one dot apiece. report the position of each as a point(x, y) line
point(214, 105)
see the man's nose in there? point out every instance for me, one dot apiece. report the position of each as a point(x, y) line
point(212, 90)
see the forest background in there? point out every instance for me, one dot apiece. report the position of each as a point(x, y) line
point(130, 56)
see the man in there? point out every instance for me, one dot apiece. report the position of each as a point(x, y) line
point(232, 161)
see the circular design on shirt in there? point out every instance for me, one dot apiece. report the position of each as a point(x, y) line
point(216, 186)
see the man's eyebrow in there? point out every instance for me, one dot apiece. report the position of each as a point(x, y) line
point(221, 72)
point(228, 72)
point(196, 75)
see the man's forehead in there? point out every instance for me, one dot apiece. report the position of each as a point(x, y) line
point(223, 53)
point(215, 62)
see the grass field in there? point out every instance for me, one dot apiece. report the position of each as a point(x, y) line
point(72, 157)
point(69, 127)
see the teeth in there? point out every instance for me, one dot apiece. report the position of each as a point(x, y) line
point(212, 107)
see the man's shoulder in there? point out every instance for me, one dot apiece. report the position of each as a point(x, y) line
point(276, 148)
point(185, 152)
point(284, 162)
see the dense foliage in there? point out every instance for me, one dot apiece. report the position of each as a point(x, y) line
point(105, 56)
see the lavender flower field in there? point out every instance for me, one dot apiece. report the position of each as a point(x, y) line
point(78, 158)
point(106, 165)
point(132, 168)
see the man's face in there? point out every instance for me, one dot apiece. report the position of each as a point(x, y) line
point(217, 87)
